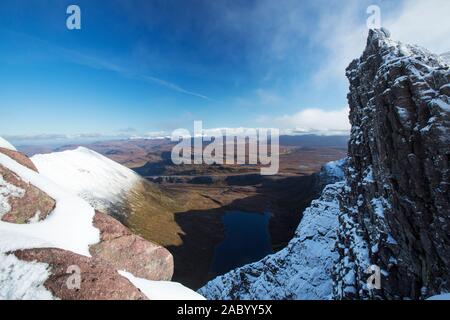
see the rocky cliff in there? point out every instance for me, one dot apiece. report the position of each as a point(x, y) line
point(397, 208)
point(391, 212)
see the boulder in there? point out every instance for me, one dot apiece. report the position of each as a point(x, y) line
point(24, 202)
point(19, 157)
point(126, 251)
point(98, 279)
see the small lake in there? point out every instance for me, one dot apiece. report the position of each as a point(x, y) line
point(247, 239)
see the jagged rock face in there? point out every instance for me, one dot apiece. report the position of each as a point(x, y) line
point(24, 203)
point(396, 210)
point(392, 210)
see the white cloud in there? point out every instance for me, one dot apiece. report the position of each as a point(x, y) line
point(313, 121)
point(342, 32)
point(342, 36)
point(422, 22)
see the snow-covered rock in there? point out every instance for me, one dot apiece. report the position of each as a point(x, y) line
point(20, 201)
point(68, 227)
point(332, 172)
point(446, 57)
point(395, 213)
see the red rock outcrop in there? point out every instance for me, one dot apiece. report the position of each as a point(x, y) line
point(27, 203)
point(19, 157)
point(98, 279)
point(126, 251)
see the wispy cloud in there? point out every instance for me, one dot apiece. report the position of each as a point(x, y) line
point(174, 87)
point(342, 31)
point(99, 63)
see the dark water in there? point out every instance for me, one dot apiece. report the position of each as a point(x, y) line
point(247, 239)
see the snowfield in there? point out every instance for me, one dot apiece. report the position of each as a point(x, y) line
point(86, 173)
point(8, 190)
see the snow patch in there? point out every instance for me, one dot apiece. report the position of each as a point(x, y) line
point(334, 169)
point(162, 290)
point(20, 280)
point(444, 296)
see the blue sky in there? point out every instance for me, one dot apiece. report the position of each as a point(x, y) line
point(143, 66)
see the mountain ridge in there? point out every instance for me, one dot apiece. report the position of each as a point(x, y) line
point(38, 254)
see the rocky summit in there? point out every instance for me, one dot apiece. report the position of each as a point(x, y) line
point(390, 211)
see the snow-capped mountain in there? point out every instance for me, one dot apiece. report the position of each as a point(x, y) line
point(46, 229)
point(95, 178)
point(114, 189)
point(392, 209)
